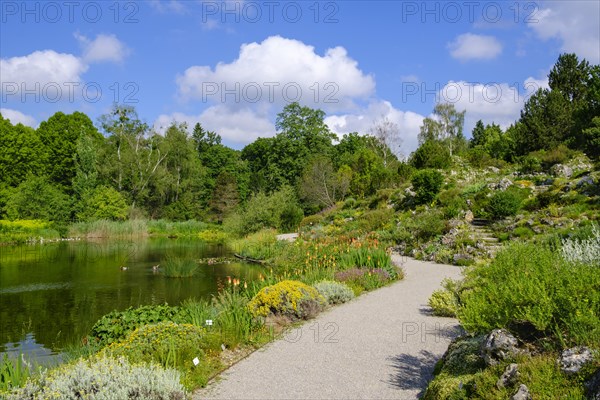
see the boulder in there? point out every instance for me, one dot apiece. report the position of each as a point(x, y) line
point(572, 360)
point(585, 181)
point(502, 185)
point(499, 345)
point(522, 393)
point(592, 386)
point(494, 170)
point(561, 170)
point(509, 377)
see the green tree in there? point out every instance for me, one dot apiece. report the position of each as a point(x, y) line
point(22, 154)
point(104, 203)
point(132, 157)
point(431, 154)
point(322, 186)
point(445, 126)
point(225, 197)
point(427, 184)
point(36, 198)
point(60, 134)
point(478, 134)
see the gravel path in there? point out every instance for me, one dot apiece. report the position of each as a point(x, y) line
point(382, 345)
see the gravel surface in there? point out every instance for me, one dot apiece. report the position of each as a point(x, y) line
point(382, 345)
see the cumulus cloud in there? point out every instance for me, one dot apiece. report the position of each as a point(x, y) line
point(469, 46)
point(277, 71)
point(104, 48)
point(500, 103)
point(41, 67)
point(17, 117)
point(239, 126)
point(574, 23)
point(408, 122)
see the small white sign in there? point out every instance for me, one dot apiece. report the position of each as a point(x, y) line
point(196, 361)
point(209, 322)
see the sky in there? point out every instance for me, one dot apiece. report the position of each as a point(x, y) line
point(233, 65)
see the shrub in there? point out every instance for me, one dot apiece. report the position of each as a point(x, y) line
point(104, 378)
point(350, 202)
point(531, 164)
point(166, 343)
point(103, 203)
point(311, 220)
point(428, 225)
point(503, 204)
point(178, 267)
point(443, 303)
point(279, 210)
point(453, 202)
point(531, 291)
point(287, 298)
point(118, 324)
point(375, 219)
point(431, 154)
point(334, 292)
point(427, 184)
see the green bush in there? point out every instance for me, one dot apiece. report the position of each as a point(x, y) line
point(334, 292)
point(427, 185)
point(311, 220)
point(431, 154)
point(375, 219)
point(118, 324)
point(166, 343)
point(428, 225)
point(104, 378)
point(103, 203)
point(444, 302)
point(503, 204)
point(453, 202)
point(279, 210)
point(531, 286)
point(287, 298)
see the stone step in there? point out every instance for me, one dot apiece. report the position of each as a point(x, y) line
point(480, 222)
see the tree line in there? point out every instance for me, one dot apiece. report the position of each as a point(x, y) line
point(69, 169)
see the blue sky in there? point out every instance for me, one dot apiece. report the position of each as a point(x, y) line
point(232, 65)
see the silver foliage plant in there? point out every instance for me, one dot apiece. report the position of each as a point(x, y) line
point(586, 251)
point(334, 292)
point(104, 378)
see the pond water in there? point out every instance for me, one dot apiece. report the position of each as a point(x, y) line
point(52, 294)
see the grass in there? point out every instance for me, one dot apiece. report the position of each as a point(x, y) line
point(13, 373)
point(137, 228)
point(179, 267)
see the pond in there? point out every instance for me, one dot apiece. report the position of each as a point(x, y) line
point(52, 294)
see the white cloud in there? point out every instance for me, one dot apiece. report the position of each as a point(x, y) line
point(408, 122)
point(277, 71)
point(500, 103)
point(104, 48)
point(17, 117)
point(575, 23)
point(240, 126)
point(41, 68)
point(469, 46)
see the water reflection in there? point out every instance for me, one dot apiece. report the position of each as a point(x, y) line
point(52, 294)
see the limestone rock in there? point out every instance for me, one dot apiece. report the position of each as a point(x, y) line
point(499, 345)
point(592, 386)
point(561, 170)
point(509, 377)
point(522, 394)
point(572, 360)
